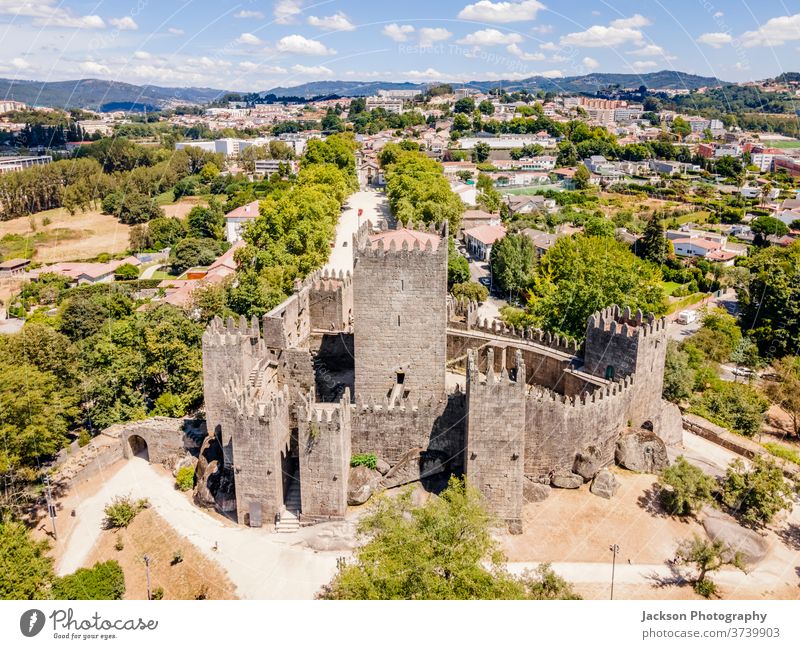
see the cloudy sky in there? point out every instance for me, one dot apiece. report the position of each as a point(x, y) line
point(259, 44)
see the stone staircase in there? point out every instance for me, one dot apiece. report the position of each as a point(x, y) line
point(289, 521)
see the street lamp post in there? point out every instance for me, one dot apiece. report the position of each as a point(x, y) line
point(614, 551)
point(147, 570)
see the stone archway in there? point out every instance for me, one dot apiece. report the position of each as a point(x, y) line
point(138, 447)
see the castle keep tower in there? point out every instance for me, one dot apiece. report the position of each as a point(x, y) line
point(495, 445)
point(400, 314)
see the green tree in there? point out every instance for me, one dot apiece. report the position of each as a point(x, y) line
point(681, 127)
point(654, 245)
point(582, 177)
point(27, 569)
point(104, 581)
point(486, 107)
point(785, 390)
point(481, 152)
point(757, 495)
point(457, 265)
point(733, 405)
point(707, 556)
point(442, 550)
point(689, 488)
point(126, 272)
point(209, 172)
point(472, 291)
point(769, 300)
point(678, 374)
point(767, 226)
point(206, 222)
point(581, 275)
point(192, 252)
point(512, 261)
point(464, 105)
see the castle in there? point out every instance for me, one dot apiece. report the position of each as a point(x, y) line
point(380, 361)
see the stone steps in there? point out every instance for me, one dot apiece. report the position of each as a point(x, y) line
point(289, 521)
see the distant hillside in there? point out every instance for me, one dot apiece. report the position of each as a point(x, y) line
point(666, 79)
point(97, 94)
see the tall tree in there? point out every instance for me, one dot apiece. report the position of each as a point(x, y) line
point(654, 245)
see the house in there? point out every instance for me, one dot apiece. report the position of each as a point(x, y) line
point(529, 204)
point(467, 193)
point(235, 220)
point(86, 272)
point(542, 241)
point(707, 245)
point(13, 267)
point(479, 240)
point(474, 218)
point(370, 173)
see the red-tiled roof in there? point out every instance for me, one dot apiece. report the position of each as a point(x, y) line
point(249, 211)
point(486, 234)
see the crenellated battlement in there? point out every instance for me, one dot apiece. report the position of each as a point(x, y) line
point(614, 390)
point(231, 332)
point(623, 322)
point(248, 401)
point(493, 379)
point(529, 334)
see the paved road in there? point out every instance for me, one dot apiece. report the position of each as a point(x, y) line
point(375, 209)
point(148, 272)
point(261, 564)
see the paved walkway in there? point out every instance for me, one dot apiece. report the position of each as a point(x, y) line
point(375, 209)
point(261, 564)
point(148, 272)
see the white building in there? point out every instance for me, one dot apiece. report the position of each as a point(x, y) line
point(389, 104)
point(6, 105)
point(237, 219)
point(269, 167)
point(17, 163)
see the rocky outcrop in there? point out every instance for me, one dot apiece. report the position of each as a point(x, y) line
point(566, 480)
point(383, 466)
point(588, 463)
point(641, 451)
point(721, 527)
point(361, 484)
point(671, 429)
point(604, 484)
point(214, 486)
point(534, 492)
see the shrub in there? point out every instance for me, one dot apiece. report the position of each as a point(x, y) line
point(736, 406)
point(122, 510)
point(158, 593)
point(126, 272)
point(472, 291)
point(690, 488)
point(368, 460)
point(177, 557)
point(84, 437)
point(119, 544)
point(756, 495)
point(184, 479)
point(783, 452)
point(102, 581)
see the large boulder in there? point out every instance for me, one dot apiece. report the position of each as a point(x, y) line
point(361, 484)
point(534, 492)
point(566, 480)
point(415, 465)
point(642, 451)
point(604, 484)
point(671, 429)
point(383, 466)
point(721, 527)
point(588, 463)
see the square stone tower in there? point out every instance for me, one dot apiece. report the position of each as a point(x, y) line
point(400, 314)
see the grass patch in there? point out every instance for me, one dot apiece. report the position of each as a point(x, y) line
point(701, 216)
point(24, 245)
point(162, 274)
point(783, 452)
point(670, 287)
point(782, 144)
point(165, 198)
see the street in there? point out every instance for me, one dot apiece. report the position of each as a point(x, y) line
point(375, 209)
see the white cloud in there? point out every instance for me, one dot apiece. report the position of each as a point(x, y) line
point(312, 70)
point(430, 73)
point(297, 44)
point(718, 14)
point(517, 51)
point(398, 33)
point(175, 31)
point(49, 13)
point(20, 64)
point(636, 20)
point(248, 14)
point(126, 23)
point(549, 47)
point(249, 39)
point(286, 10)
point(776, 31)
point(142, 55)
point(430, 35)
point(643, 66)
point(93, 67)
point(551, 74)
point(590, 64)
point(501, 12)
point(253, 66)
point(601, 36)
point(649, 50)
point(338, 22)
point(715, 39)
point(489, 37)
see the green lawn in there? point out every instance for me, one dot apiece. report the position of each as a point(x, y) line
point(782, 144)
point(162, 274)
point(166, 198)
point(700, 216)
point(670, 287)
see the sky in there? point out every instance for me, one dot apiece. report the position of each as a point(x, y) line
point(255, 45)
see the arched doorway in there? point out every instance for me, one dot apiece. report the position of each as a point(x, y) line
point(138, 447)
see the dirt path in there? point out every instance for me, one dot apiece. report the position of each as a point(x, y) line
point(261, 565)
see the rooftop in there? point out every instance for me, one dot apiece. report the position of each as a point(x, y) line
point(486, 234)
point(404, 235)
point(249, 211)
